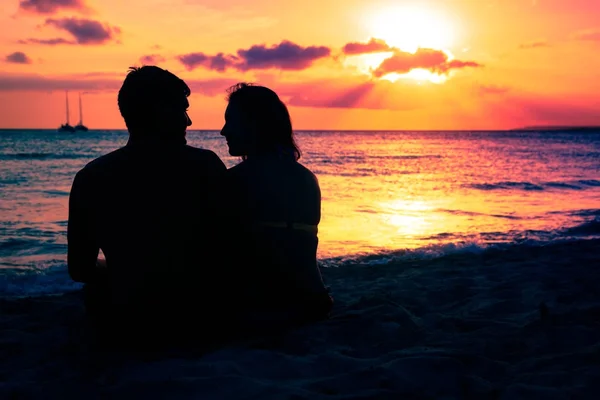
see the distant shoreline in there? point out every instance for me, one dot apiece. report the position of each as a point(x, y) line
point(557, 128)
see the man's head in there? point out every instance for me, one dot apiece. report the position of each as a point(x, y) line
point(153, 103)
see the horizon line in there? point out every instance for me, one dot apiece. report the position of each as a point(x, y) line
point(526, 128)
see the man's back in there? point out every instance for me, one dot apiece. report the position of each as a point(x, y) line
point(153, 211)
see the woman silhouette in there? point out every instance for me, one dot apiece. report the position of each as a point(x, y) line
point(277, 203)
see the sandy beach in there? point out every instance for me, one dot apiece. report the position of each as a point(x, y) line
point(515, 323)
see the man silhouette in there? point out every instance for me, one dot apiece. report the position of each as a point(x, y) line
point(152, 207)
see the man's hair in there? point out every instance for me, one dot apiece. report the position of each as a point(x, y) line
point(267, 114)
point(147, 93)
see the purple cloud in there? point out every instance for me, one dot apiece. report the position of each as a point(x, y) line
point(85, 31)
point(152, 59)
point(193, 60)
point(285, 55)
point(51, 6)
point(18, 57)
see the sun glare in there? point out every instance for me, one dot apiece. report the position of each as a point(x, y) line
point(408, 29)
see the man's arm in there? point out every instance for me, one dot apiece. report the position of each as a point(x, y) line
point(82, 244)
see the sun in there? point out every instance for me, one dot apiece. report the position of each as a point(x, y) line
point(408, 29)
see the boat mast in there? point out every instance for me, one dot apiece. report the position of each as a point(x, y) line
point(67, 102)
point(80, 111)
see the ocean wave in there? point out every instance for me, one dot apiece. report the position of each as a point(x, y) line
point(469, 244)
point(477, 214)
point(42, 156)
point(51, 277)
point(530, 186)
point(46, 278)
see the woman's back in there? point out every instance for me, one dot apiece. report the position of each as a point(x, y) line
point(279, 203)
point(276, 207)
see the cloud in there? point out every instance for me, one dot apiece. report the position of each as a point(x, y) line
point(218, 62)
point(534, 45)
point(492, 90)
point(151, 59)
point(84, 31)
point(51, 6)
point(285, 55)
point(42, 83)
point(587, 35)
point(434, 60)
point(18, 57)
point(372, 46)
point(97, 81)
point(49, 42)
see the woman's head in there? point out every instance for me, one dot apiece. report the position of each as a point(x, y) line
point(257, 122)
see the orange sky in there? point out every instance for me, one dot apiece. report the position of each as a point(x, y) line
point(338, 64)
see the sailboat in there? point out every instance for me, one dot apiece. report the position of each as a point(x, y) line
point(80, 126)
point(66, 127)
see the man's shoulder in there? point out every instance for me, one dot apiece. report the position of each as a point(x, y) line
point(103, 162)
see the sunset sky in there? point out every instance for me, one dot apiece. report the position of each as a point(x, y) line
point(338, 64)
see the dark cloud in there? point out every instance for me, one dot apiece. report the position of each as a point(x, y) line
point(285, 55)
point(150, 59)
point(85, 31)
point(372, 46)
point(18, 57)
point(51, 6)
point(194, 60)
point(434, 60)
point(534, 45)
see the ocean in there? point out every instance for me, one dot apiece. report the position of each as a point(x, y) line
point(386, 195)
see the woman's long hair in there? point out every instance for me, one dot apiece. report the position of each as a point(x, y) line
point(267, 116)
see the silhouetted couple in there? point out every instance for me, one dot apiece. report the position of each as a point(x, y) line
point(188, 243)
